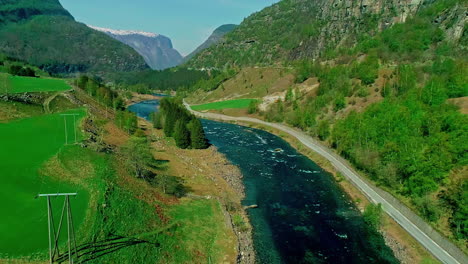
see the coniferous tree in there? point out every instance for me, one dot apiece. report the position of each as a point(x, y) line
point(197, 135)
point(181, 135)
point(169, 123)
point(157, 120)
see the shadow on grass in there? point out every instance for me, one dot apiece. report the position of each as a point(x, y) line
point(94, 250)
point(162, 165)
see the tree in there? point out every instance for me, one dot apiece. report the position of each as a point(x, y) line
point(323, 130)
point(137, 155)
point(156, 118)
point(169, 123)
point(82, 81)
point(118, 103)
point(14, 69)
point(181, 134)
point(252, 107)
point(289, 95)
point(197, 135)
point(373, 215)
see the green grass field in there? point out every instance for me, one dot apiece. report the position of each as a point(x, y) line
point(26, 144)
point(237, 104)
point(18, 84)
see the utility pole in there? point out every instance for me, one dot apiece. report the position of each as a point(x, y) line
point(54, 234)
point(74, 127)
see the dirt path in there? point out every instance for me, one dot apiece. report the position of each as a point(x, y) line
point(50, 99)
point(439, 246)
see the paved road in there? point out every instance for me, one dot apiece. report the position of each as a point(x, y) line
point(439, 250)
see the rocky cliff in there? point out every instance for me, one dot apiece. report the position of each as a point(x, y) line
point(297, 29)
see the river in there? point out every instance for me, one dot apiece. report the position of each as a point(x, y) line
point(303, 216)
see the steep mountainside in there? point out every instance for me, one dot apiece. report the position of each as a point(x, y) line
point(42, 33)
point(215, 38)
point(297, 29)
point(375, 80)
point(157, 50)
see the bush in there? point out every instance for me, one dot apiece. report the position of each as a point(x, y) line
point(373, 215)
point(252, 109)
point(340, 103)
point(239, 222)
point(170, 185)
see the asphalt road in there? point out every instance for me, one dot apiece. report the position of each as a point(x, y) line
point(439, 250)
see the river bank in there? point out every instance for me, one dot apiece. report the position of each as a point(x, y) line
point(404, 245)
point(211, 176)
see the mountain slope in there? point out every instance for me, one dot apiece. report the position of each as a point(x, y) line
point(381, 96)
point(298, 29)
point(157, 50)
point(42, 33)
point(215, 38)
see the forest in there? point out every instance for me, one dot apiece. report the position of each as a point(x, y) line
point(170, 79)
point(178, 123)
point(407, 137)
point(412, 141)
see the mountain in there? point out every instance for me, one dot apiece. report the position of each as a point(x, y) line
point(380, 81)
point(43, 33)
point(215, 38)
point(299, 29)
point(157, 50)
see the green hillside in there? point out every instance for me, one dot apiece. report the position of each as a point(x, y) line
point(31, 143)
point(37, 32)
point(215, 38)
point(18, 84)
point(382, 98)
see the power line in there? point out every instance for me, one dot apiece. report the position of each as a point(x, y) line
point(54, 234)
point(74, 127)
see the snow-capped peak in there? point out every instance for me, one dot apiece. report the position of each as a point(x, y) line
point(124, 32)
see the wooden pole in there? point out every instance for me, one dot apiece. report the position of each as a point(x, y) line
point(68, 227)
point(66, 134)
point(74, 126)
point(48, 224)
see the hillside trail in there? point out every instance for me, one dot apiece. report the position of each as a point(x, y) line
point(435, 243)
point(46, 104)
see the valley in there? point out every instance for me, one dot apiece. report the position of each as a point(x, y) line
point(301, 132)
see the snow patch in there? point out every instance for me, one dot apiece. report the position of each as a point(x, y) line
point(124, 32)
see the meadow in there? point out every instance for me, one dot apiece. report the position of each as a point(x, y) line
point(26, 145)
point(228, 104)
point(19, 84)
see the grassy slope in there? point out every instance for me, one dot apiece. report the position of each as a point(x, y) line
point(29, 84)
point(26, 145)
point(20, 84)
point(11, 111)
point(150, 226)
point(239, 103)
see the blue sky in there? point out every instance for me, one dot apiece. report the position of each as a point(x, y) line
point(187, 22)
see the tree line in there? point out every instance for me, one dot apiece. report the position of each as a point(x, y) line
point(169, 79)
point(105, 95)
point(178, 123)
point(17, 70)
